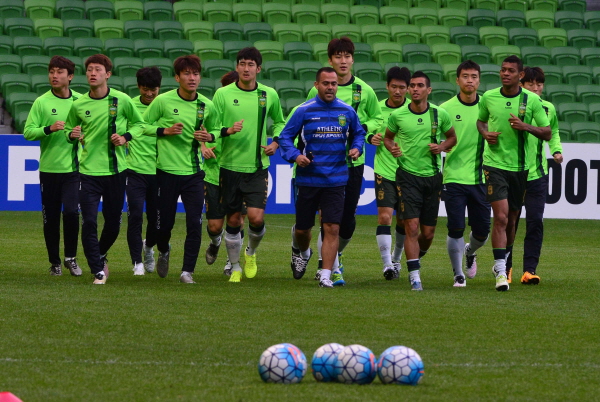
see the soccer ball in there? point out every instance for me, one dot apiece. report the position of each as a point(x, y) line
point(356, 365)
point(400, 365)
point(283, 363)
point(324, 360)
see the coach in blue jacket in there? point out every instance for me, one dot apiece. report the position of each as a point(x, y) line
point(324, 126)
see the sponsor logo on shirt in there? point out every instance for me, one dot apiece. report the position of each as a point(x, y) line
point(458, 118)
point(420, 122)
point(87, 113)
point(53, 112)
point(176, 112)
point(508, 105)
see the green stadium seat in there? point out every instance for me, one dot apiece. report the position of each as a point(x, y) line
point(19, 102)
point(10, 64)
point(79, 84)
point(244, 13)
point(592, 20)
point(109, 29)
point(298, 51)
point(15, 83)
point(451, 17)
point(535, 55)
point(572, 5)
point(320, 53)
point(231, 48)
point(493, 36)
point(208, 86)
point(86, 47)
point(158, 11)
point(306, 14)
point(464, 36)
point(278, 70)
point(590, 56)
point(130, 86)
point(36, 64)
point(565, 56)
point(218, 12)
point(554, 74)
point(187, 12)
point(457, 4)
point(129, 10)
point(488, 87)
point(442, 91)
point(169, 84)
point(410, 66)
point(450, 72)
point(316, 33)
point(560, 93)
point(174, 48)
point(289, 89)
point(416, 53)
point(59, 46)
point(537, 19)
point(39, 9)
point(40, 84)
point(78, 61)
point(369, 71)
point(352, 31)
point(380, 88)
point(25, 45)
point(490, 74)
point(291, 104)
point(6, 45)
point(511, 19)
point(433, 70)
point(480, 54)
point(116, 82)
point(335, 14)
point(391, 16)
point(120, 47)
point(306, 70)
point(552, 37)
point(523, 37)
point(48, 28)
point(127, 66)
point(519, 5)
point(267, 82)
point(543, 5)
point(99, 10)
point(446, 53)
point(12, 9)
point(270, 50)
point(147, 48)
point(18, 27)
point(364, 15)
point(373, 34)
point(208, 49)
point(198, 30)
point(363, 52)
point(78, 28)
point(226, 31)
point(434, 4)
point(581, 38)
point(423, 16)
point(255, 31)
point(399, 3)
point(387, 52)
point(565, 131)
point(588, 93)
point(434, 34)
point(406, 34)
point(569, 20)
point(277, 13)
point(586, 132)
point(481, 17)
point(168, 30)
point(573, 112)
point(285, 33)
point(594, 114)
point(162, 63)
point(139, 29)
point(499, 53)
point(492, 5)
point(216, 68)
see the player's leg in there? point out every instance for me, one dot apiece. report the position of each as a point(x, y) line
point(386, 199)
point(455, 201)
point(331, 215)
point(479, 211)
point(113, 197)
point(90, 192)
point(136, 193)
point(51, 206)
point(254, 192)
point(517, 186)
point(398, 245)
point(348, 222)
point(166, 201)
point(307, 204)
point(192, 196)
point(231, 201)
point(497, 195)
point(215, 220)
point(151, 218)
point(70, 202)
point(535, 203)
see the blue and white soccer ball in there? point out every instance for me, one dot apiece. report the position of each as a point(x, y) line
point(356, 364)
point(323, 362)
point(283, 363)
point(400, 365)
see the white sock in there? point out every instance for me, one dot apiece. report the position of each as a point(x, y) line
point(232, 242)
point(343, 244)
point(415, 275)
point(398, 247)
point(320, 245)
point(215, 239)
point(500, 266)
point(475, 244)
point(255, 238)
point(384, 241)
point(236, 267)
point(455, 251)
point(294, 241)
point(305, 254)
point(325, 274)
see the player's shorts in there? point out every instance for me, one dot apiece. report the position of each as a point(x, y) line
point(212, 203)
point(419, 197)
point(329, 200)
point(386, 194)
point(239, 188)
point(505, 185)
point(457, 197)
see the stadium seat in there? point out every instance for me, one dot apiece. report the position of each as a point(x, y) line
point(35, 64)
point(565, 56)
point(369, 71)
point(572, 5)
point(158, 11)
point(174, 48)
point(255, 31)
point(464, 36)
point(391, 16)
point(162, 63)
point(543, 5)
point(565, 131)
point(198, 30)
point(78, 28)
point(380, 89)
point(481, 18)
point(364, 15)
point(434, 34)
point(218, 12)
point(535, 55)
point(316, 33)
point(186, 11)
point(306, 14)
point(387, 52)
point(577, 75)
point(86, 47)
point(208, 49)
point(277, 13)
point(539, 19)
point(434, 4)
point(207, 86)
point(480, 54)
point(10, 64)
point(99, 10)
point(594, 113)
point(306, 70)
point(376, 34)
point(499, 53)
point(40, 84)
point(12, 9)
point(560, 93)
point(59, 46)
point(291, 103)
point(130, 86)
point(216, 68)
point(492, 5)
point(129, 10)
point(270, 50)
point(127, 66)
point(116, 82)
point(289, 89)
point(410, 66)
point(573, 112)
point(581, 38)
point(363, 52)
point(145, 48)
point(352, 31)
point(511, 19)
point(109, 29)
point(446, 53)
point(519, 5)
point(121, 47)
point(588, 93)
point(6, 45)
point(139, 29)
point(416, 53)
point(244, 13)
point(586, 132)
point(552, 37)
point(590, 56)
point(490, 74)
point(18, 27)
point(457, 4)
point(39, 9)
point(554, 74)
point(335, 14)
point(523, 37)
point(168, 30)
point(15, 83)
point(406, 34)
point(79, 84)
point(442, 91)
point(169, 84)
point(267, 82)
point(449, 72)
point(278, 70)
point(433, 70)
point(422, 16)
point(320, 53)
point(226, 31)
point(231, 48)
point(493, 36)
point(285, 33)
point(451, 17)
point(569, 20)
point(25, 45)
point(79, 66)
point(592, 20)
point(399, 3)
point(298, 51)
point(48, 28)
point(20, 102)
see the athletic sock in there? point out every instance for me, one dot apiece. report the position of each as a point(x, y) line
point(500, 261)
point(414, 267)
point(325, 274)
point(343, 244)
point(399, 246)
point(215, 238)
point(384, 241)
point(422, 253)
point(232, 242)
point(294, 241)
point(475, 244)
point(455, 251)
point(305, 254)
point(255, 234)
point(242, 238)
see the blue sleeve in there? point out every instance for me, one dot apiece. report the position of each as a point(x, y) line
point(358, 133)
point(287, 136)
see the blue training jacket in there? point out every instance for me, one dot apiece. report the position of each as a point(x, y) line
point(323, 130)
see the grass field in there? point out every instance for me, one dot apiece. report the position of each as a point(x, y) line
point(146, 338)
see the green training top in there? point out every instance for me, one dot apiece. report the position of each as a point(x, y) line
point(211, 166)
point(57, 155)
point(99, 120)
point(464, 161)
point(538, 164)
point(242, 152)
point(385, 163)
point(141, 153)
point(510, 153)
point(180, 154)
point(414, 133)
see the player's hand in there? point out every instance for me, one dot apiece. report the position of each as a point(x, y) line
point(117, 140)
point(208, 153)
point(57, 126)
point(75, 133)
point(396, 152)
point(491, 137)
point(175, 129)
point(203, 135)
point(237, 127)
point(558, 158)
point(302, 161)
point(270, 150)
point(435, 148)
point(376, 140)
point(354, 154)
point(516, 123)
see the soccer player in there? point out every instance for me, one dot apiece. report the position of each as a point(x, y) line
point(141, 179)
point(243, 108)
point(100, 120)
point(325, 125)
point(463, 176)
point(413, 136)
point(358, 94)
point(385, 177)
point(182, 117)
point(537, 183)
point(505, 116)
point(59, 165)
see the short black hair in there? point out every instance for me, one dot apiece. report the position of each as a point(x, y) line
point(467, 65)
point(100, 59)
point(324, 70)
point(421, 74)
point(149, 77)
point(249, 53)
point(516, 60)
point(341, 45)
point(62, 63)
point(190, 62)
point(229, 78)
point(400, 74)
point(533, 74)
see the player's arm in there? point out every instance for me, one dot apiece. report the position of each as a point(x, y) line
point(390, 144)
point(135, 124)
point(155, 127)
point(445, 127)
point(210, 125)
point(73, 126)
point(373, 110)
point(286, 141)
point(554, 144)
point(482, 123)
point(543, 133)
point(34, 131)
point(358, 137)
point(278, 123)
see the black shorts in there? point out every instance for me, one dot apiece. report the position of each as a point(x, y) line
point(506, 185)
point(329, 200)
point(419, 197)
point(239, 188)
point(457, 197)
point(386, 193)
point(212, 202)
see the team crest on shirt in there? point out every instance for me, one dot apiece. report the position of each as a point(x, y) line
point(342, 120)
point(112, 110)
point(262, 101)
point(200, 113)
point(356, 96)
point(522, 110)
point(434, 128)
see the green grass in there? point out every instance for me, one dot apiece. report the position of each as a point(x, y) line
point(146, 338)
